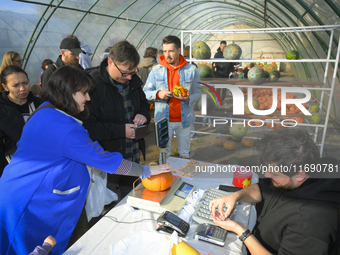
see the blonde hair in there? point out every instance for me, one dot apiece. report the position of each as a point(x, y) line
point(8, 58)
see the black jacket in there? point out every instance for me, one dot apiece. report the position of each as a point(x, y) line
point(222, 69)
point(106, 123)
point(50, 70)
point(12, 123)
point(300, 221)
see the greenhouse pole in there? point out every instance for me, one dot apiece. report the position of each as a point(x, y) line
point(330, 98)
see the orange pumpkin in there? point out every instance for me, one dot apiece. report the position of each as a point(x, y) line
point(158, 182)
point(229, 145)
point(219, 140)
point(248, 142)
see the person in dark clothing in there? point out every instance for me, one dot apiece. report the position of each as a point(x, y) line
point(300, 207)
point(117, 106)
point(16, 104)
point(70, 50)
point(148, 62)
point(222, 69)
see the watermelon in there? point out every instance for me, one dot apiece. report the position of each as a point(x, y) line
point(315, 118)
point(205, 71)
point(266, 75)
point(255, 104)
point(274, 75)
point(238, 131)
point(201, 50)
point(232, 51)
point(222, 128)
point(210, 104)
point(292, 54)
point(255, 75)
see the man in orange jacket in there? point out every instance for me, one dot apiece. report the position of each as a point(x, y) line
point(173, 70)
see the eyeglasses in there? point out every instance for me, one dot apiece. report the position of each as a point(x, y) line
point(19, 61)
point(126, 74)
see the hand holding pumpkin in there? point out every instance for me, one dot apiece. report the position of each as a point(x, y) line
point(160, 169)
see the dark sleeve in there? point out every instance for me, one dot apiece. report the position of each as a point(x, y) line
point(98, 128)
point(46, 75)
point(42, 250)
point(144, 106)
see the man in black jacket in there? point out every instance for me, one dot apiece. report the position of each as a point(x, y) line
point(301, 199)
point(70, 50)
point(117, 106)
point(222, 69)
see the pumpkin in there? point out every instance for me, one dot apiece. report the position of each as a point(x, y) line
point(229, 145)
point(205, 71)
point(151, 107)
point(183, 248)
point(179, 89)
point(274, 75)
point(255, 104)
point(238, 130)
point(232, 51)
point(201, 50)
point(248, 142)
point(219, 140)
point(255, 75)
point(152, 195)
point(292, 54)
point(158, 182)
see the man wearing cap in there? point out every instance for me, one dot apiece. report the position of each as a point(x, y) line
point(70, 50)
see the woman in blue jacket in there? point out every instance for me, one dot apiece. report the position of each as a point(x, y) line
point(43, 189)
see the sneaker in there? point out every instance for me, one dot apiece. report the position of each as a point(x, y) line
point(194, 137)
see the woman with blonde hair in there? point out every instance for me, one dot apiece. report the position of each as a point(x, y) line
point(10, 58)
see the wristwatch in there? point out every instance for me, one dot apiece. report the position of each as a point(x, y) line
point(245, 235)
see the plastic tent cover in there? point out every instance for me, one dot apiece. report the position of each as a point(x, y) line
point(35, 28)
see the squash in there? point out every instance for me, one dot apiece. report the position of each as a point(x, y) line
point(232, 51)
point(248, 142)
point(219, 140)
point(201, 50)
point(179, 89)
point(183, 248)
point(229, 145)
point(158, 182)
point(255, 75)
point(238, 130)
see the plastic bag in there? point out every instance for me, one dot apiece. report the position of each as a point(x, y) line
point(98, 195)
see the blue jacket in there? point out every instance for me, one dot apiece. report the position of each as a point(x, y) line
point(189, 78)
point(43, 189)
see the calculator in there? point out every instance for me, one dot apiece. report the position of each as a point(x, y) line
point(211, 233)
point(202, 212)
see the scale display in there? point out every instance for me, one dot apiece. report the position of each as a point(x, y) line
point(184, 190)
point(162, 135)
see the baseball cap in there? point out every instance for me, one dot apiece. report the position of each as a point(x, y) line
point(71, 44)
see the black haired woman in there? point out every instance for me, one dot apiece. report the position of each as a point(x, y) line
point(16, 104)
point(43, 189)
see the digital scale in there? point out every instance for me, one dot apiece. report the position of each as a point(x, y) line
point(173, 199)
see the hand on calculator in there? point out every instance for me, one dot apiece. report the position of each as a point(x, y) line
point(229, 201)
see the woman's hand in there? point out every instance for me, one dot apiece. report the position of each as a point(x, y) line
point(160, 169)
point(229, 201)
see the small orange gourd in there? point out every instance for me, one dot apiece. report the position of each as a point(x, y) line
point(229, 145)
point(219, 140)
point(158, 182)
